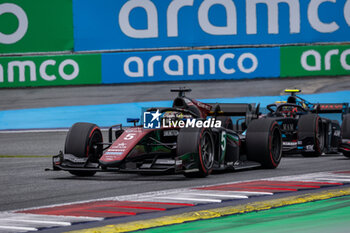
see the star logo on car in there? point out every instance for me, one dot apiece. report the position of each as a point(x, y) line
point(156, 115)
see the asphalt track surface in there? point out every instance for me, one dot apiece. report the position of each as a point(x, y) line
point(25, 184)
point(126, 93)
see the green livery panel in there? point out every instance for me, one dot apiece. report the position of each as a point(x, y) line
point(322, 60)
point(50, 70)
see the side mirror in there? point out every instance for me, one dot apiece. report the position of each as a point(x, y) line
point(133, 120)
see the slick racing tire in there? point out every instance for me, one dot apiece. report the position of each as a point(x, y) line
point(345, 127)
point(226, 122)
point(346, 154)
point(200, 143)
point(81, 142)
point(310, 126)
point(264, 142)
point(345, 132)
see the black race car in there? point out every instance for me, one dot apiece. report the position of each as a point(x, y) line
point(190, 137)
point(305, 131)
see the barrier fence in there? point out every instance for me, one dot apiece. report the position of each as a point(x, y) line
point(50, 70)
point(36, 26)
point(130, 41)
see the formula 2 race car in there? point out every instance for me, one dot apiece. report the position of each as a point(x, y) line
point(305, 131)
point(185, 138)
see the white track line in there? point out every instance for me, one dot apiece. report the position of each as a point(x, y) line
point(37, 221)
point(144, 196)
point(339, 176)
point(332, 179)
point(255, 193)
point(306, 177)
point(216, 195)
point(244, 193)
point(49, 218)
point(191, 199)
point(19, 228)
point(8, 221)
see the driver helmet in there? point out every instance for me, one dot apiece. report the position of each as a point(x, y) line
point(292, 100)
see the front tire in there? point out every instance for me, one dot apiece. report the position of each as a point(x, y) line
point(264, 142)
point(200, 143)
point(81, 142)
point(346, 154)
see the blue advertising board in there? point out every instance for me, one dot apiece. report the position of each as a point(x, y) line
point(131, 67)
point(140, 24)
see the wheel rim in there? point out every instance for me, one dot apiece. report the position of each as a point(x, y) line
point(93, 149)
point(207, 150)
point(276, 145)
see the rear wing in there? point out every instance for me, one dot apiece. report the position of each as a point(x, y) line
point(342, 108)
point(331, 108)
point(248, 112)
point(225, 109)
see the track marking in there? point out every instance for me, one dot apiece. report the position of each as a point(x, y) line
point(191, 199)
point(38, 221)
point(341, 176)
point(216, 195)
point(52, 218)
point(215, 213)
point(167, 203)
point(19, 228)
point(248, 193)
point(334, 179)
point(99, 209)
point(110, 212)
point(135, 207)
point(342, 172)
point(244, 187)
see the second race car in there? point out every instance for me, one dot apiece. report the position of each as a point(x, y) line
point(306, 129)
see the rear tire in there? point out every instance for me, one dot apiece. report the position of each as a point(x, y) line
point(264, 142)
point(345, 127)
point(226, 122)
point(200, 143)
point(310, 126)
point(345, 131)
point(81, 142)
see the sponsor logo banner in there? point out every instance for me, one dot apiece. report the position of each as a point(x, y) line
point(315, 60)
point(184, 23)
point(50, 70)
point(190, 65)
point(35, 26)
